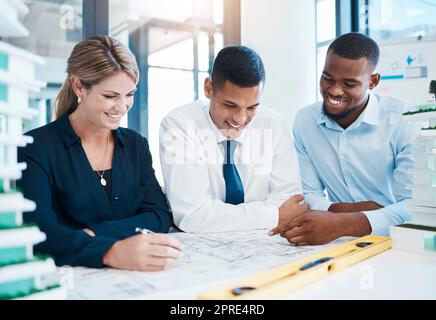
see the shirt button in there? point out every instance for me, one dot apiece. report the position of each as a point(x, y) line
point(116, 198)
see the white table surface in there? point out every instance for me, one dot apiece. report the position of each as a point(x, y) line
point(393, 274)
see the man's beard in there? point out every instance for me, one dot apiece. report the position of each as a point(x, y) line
point(341, 116)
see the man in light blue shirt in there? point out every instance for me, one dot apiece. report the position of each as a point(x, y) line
point(355, 146)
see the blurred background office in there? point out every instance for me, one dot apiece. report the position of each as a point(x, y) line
point(175, 42)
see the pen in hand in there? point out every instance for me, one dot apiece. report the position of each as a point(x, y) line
point(143, 231)
point(172, 242)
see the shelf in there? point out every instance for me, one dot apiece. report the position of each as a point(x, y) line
point(424, 178)
point(24, 84)
point(17, 237)
point(425, 196)
point(12, 172)
point(18, 141)
point(15, 201)
point(421, 116)
point(28, 269)
point(18, 112)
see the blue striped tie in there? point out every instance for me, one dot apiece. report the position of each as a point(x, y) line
point(234, 187)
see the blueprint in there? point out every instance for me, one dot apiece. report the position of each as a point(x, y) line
point(207, 259)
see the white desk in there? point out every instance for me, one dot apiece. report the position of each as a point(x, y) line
point(393, 274)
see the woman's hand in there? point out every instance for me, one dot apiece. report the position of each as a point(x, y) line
point(143, 252)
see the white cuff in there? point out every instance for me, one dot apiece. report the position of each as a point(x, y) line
point(267, 217)
point(379, 222)
point(321, 204)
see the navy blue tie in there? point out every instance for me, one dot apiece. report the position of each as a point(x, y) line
point(234, 187)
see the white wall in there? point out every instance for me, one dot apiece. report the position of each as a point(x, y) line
point(393, 61)
point(283, 32)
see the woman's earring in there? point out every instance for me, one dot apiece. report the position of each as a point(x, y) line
point(79, 100)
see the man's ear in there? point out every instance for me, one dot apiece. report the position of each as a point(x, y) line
point(208, 88)
point(77, 86)
point(375, 80)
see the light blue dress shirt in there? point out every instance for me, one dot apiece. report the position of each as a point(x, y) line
point(369, 161)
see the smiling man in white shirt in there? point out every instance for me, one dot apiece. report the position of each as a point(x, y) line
point(230, 165)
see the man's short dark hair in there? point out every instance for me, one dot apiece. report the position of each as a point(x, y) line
point(354, 46)
point(240, 65)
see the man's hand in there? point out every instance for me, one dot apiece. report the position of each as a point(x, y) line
point(288, 211)
point(321, 227)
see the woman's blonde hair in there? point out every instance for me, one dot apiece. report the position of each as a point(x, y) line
point(92, 60)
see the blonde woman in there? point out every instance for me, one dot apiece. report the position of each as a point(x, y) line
point(93, 182)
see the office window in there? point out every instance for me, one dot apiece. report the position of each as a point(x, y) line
point(3, 92)
point(48, 29)
point(3, 124)
point(401, 19)
point(326, 33)
point(175, 42)
point(4, 156)
point(325, 20)
point(4, 61)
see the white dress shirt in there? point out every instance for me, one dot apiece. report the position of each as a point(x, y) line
point(192, 156)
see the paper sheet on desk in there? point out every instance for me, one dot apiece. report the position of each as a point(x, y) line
point(206, 258)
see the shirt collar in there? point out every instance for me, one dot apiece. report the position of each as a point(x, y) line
point(69, 136)
point(371, 112)
point(327, 121)
point(370, 115)
point(119, 137)
point(219, 136)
